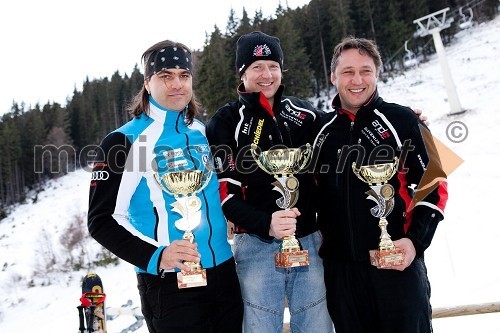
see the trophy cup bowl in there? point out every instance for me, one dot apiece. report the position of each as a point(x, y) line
point(182, 182)
point(184, 185)
point(283, 163)
point(376, 176)
point(376, 173)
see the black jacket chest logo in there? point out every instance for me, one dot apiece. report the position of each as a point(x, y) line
point(245, 129)
point(295, 116)
point(376, 132)
point(258, 131)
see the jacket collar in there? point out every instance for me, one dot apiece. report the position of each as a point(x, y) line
point(370, 105)
point(169, 118)
point(258, 100)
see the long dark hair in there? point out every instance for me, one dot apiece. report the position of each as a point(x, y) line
point(140, 103)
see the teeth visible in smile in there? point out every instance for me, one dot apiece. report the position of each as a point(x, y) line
point(265, 84)
point(356, 90)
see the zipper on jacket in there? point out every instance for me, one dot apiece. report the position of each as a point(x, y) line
point(337, 182)
point(214, 261)
point(288, 133)
point(348, 186)
point(278, 129)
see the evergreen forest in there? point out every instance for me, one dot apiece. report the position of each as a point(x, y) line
point(38, 143)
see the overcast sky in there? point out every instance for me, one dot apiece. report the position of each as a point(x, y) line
point(50, 46)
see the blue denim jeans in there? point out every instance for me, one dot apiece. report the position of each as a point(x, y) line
point(265, 286)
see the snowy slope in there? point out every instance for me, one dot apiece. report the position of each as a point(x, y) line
point(462, 261)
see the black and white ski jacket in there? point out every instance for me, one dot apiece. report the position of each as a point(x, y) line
point(248, 198)
point(377, 133)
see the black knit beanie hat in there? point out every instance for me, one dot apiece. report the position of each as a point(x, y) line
point(257, 46)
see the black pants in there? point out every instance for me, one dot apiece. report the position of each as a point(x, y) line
point(364, 299)
point(215, 308)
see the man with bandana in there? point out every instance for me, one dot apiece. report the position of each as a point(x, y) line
point(131, 214)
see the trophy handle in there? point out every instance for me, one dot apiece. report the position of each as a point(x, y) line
point(207, 180)
point(356, 170)
point(396, 165)
point(256, 157)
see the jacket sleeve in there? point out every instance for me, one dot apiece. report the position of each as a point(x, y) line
point(221, 136)
point(111, 189)
point(426, 208)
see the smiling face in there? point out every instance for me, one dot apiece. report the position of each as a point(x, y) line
point(171, 88)
point(355, 77)
point(263, 76)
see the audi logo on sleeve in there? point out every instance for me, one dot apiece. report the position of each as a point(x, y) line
point(100, 175)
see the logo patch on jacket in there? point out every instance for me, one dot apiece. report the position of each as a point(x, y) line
point(295, 116)
point(173, 153)
point(381, 130)
point(258, 131)
point(201, 148)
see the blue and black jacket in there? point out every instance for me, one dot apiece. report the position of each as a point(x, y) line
point(129, 214)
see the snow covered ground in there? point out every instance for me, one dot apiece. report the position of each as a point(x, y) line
point(462, 261)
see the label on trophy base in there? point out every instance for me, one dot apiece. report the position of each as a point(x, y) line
point(192, 279)
point(291, 259)
point(383, 258)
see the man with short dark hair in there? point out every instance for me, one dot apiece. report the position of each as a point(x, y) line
point(364, 130)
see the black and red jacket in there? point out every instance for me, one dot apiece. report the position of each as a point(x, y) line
point(378, 132)
point(248, 198)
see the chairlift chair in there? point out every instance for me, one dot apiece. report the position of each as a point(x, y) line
point(409, 59)
point(465, 21)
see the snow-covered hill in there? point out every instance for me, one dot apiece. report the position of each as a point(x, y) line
point(462, 261)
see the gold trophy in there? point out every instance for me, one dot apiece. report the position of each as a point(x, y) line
point(376, 177)
point(184, 185)
point(283, 164)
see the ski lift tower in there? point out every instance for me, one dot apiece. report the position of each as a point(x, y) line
point(432, 24)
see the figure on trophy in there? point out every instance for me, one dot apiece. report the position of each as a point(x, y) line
point(376, 176)
point(184, 185)
point(283, 164)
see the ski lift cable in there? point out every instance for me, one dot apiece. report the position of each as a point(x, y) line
point(454, 14)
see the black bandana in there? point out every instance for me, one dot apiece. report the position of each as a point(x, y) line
point(169, 57)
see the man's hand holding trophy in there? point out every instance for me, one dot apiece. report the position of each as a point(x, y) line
point(283, 164)
point(184, 185)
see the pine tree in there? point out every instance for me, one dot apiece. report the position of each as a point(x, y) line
point(34, 124)
point(394, 32)
point(298, 78)
point(319, 38)
point(119, 96)
point(257, 20)
point(61, 154)
point(10, 151)
point(215, 84)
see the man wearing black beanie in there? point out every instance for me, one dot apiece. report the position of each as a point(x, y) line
point(263, 116)
point(257, 46)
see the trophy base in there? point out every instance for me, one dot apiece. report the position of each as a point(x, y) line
point(386, 258)
point(291, 259)
point(192, 279)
